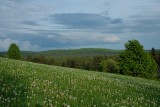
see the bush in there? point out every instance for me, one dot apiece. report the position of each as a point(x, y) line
point(72, 63)
point(41, 59)
point(96, 63)
point(109, 65)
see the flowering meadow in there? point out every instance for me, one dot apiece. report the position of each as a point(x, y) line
point(26, 84)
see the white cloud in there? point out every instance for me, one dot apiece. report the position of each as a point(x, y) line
point(27, 46)
point(24, 45)
point(4, 43)
point(93, 37)
point(104, 38)
point(50, 36)
point(111, 39)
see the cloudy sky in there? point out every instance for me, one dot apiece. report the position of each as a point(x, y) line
point(66, 24)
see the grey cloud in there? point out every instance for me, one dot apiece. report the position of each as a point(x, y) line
point(32, 23)
point(35, 24)
point(115, 29)
point(157, 1)
point(84, 20)
point(116, 21)
point(10, 4)
point(146, 25)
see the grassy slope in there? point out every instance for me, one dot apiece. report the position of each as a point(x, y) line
point(30, 84)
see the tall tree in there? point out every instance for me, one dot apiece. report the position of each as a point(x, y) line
point(14, 52)
point(154, 55)
point(1, 54)
point(136, 62)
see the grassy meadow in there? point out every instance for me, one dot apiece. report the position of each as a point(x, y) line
point(26, 84)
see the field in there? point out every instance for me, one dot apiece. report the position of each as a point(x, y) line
point(26, 84)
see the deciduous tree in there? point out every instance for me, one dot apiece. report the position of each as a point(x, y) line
point(136, 62)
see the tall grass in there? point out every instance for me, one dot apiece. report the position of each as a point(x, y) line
point(25, 84)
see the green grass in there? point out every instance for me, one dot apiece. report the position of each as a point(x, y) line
point(25, 84)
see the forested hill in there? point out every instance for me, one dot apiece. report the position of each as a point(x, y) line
point(73, 52)
point(81, 52)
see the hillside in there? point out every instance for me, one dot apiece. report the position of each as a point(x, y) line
point(36, 85)
point(73, 52)
point(81, 52)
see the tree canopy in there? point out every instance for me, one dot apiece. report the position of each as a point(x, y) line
point(136, 62)
point(14, 52)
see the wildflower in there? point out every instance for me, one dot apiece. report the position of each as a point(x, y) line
point(66, 105)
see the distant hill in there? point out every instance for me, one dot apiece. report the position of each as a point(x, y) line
point(73, 52)
point(80, 52)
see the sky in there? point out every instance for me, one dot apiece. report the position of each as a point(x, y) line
point(36, 25)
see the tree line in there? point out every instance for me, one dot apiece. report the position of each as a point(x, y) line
point(133, 61)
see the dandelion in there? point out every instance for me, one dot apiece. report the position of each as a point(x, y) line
point(66, 105)
point(15, 94)
point(28, 104)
